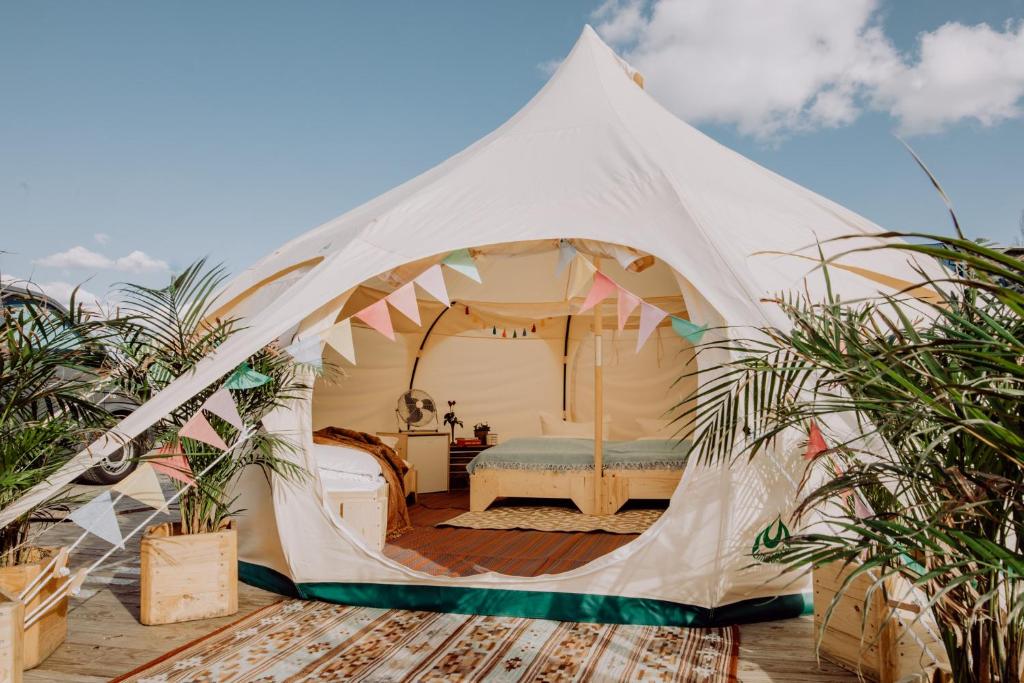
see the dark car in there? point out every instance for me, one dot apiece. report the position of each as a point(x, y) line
point(121, 463)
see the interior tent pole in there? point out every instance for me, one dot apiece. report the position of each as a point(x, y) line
point(565, 367)
point(598, 403)
point(416, 362)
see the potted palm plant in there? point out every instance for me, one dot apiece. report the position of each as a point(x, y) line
point(189, 568)
point(50, 361)
point(922, 502)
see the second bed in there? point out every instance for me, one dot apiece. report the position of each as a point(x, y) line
point(558, 467)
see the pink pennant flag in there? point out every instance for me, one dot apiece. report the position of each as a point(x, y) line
point(223, 406)
point(173, 463)
point(650, 316)
point(199, 428)
point(404, 300)
point(815, 442)
point(627, 304)
point(601, 289)
point(432, 282)
point(377, 316)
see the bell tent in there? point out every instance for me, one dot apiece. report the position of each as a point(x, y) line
point(591, 183)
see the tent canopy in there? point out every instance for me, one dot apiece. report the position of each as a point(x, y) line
point(593, 158)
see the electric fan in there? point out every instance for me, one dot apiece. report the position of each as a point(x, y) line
point(416, 410)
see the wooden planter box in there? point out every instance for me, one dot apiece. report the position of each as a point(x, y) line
point(48, 633)
point(885, 648)
point(190, 576)
point(12, 619)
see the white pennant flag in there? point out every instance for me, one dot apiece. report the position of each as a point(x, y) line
point(566, 253)
point(143, 486)
point(581, 273)
point(650, 317)
point(339, 338)
point(223, 406)
point(97, 517)
point(404, 300)
point(432, 282)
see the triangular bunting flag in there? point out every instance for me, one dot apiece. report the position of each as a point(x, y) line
point(624, 257)
point(245, 377)
point(377, 316)
point(815, 442)
point(462, 262)
point(339, 338)
point(566, 253)
point(404, 301)
point(432, 282)
point(580, 274)
point(306, 351)
point(687, 330)
point(860, 507)
point(142, 485)
point(98, 518)
point(627, 304)
point(173, 463)
point(650, 316)
point(199, 428)
point(223, 406)
point(601, 289)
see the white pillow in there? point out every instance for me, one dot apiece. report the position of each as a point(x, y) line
point(661, 428)
point(345, 460)
point(553, 425)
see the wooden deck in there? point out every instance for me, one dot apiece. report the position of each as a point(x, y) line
point(105, 638)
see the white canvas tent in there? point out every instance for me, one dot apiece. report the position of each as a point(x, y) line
point(592, 158)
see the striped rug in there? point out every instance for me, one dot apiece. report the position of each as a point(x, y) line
point(550, 518)
point(298, 641)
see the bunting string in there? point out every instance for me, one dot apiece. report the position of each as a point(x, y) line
point(98, 516)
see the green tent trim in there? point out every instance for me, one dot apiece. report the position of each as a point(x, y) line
point(605, 609)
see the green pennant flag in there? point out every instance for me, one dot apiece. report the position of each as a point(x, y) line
point(245, 377)
point(687, 330)
point(462, 262)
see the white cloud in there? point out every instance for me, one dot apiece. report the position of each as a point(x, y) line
point(140, 262)
point(81, 257)
point(963, 72)
point(76, 257)
point(772, 68)
point(101, 237)
point(61, 291)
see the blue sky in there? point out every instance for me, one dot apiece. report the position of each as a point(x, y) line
point(150, 134)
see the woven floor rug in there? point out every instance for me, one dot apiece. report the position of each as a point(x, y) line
point(297, 641)
point(545, 518)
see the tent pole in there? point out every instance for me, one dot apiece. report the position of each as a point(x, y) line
point(565, 367)
point(598, 404)
point(415, 363)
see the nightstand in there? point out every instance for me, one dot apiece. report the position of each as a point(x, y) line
point(428, 453)
point(458, 458)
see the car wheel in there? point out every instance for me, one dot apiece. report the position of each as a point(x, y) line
point(118, 464)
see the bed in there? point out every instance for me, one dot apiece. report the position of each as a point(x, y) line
point(558, 467)
point(356, 490)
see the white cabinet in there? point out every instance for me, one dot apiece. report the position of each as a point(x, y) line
point(428, 453)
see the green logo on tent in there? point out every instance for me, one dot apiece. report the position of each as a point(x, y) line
point(770, 538)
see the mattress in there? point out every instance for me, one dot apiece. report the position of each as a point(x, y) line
point(540, 453)
point(337, 482)
point(346, 460)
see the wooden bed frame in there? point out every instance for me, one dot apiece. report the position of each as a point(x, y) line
point(617, 486)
